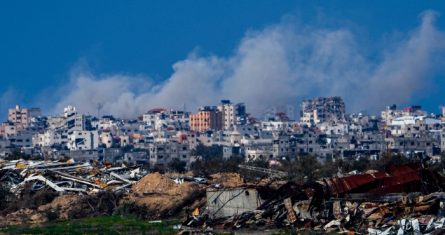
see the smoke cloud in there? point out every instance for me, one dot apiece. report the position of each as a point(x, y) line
point(279, 65)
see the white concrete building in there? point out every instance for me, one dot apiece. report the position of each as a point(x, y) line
point(46, 139)
point(391, 113)
point(276, 125)
point(106, 139)
point(83, 140)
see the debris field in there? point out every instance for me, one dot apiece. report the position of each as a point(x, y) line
point(406, 199)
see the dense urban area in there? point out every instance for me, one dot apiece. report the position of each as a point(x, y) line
point(220, 169)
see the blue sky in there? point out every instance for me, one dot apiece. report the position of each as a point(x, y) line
point(42, 41)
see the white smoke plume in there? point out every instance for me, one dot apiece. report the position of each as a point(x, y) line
point(279, 65)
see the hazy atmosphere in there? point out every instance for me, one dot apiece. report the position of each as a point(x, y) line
point(222, 117)
point(278, 59)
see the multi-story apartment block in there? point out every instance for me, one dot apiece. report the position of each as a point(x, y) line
point(73, 120)
point(161, 154)
point(8, 129)
point(322, 109)
point(47, 139)
point(259, 152)
point(410, 145)
point(20, 117)
point(391, 112)
point(160, 118)
point(207, 118)
point(21, 139)
point(412, 125)
point(83, 140)
point(232, 114)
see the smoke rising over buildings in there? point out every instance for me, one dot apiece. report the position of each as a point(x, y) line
point(279, 65)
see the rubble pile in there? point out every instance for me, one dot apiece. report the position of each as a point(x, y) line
point(402, 199)
point(228, 180)
point(410, 199)
point(162, 195)
point(67, 189)
point(74, 190)
point(341, 215)
point(67, 176)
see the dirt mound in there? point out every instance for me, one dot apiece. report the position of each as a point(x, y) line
point(62, 204)
point(228, 180)
point(75, 206)
point(154, 183)
point(162, 195)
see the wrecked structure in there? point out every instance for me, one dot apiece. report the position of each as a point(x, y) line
point(227, 202)
point(322, 109)
point(68, 176)
point(401, 199)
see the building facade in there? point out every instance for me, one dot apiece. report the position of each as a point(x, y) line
point(20, 117)
point(232, 114)
point(207, 118)
point(322, 109)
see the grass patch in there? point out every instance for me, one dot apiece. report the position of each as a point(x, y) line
point(97, 225)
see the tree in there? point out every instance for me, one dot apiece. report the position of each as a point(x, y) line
point(304, 168)
point(328, 168)
point(387, 160)
point(177, 165)
point(362, 164)
point(206, 152)
point(208, 166)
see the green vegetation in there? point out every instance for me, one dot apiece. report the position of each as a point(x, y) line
point(213, 165)
point(97, 225)
point(177, 165)
point(208, 152)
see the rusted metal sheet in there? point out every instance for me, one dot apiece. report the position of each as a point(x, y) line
point(405, 178)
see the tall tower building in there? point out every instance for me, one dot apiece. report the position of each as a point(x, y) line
point(232, 114)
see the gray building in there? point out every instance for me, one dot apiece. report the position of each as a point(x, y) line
point(163, 153)
point(228, 202)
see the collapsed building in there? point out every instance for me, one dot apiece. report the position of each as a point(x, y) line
point(402, 199)
point(322, 109)
point(406, 198)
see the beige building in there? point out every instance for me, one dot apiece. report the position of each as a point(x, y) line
point(21, 117)
point(232, 114)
